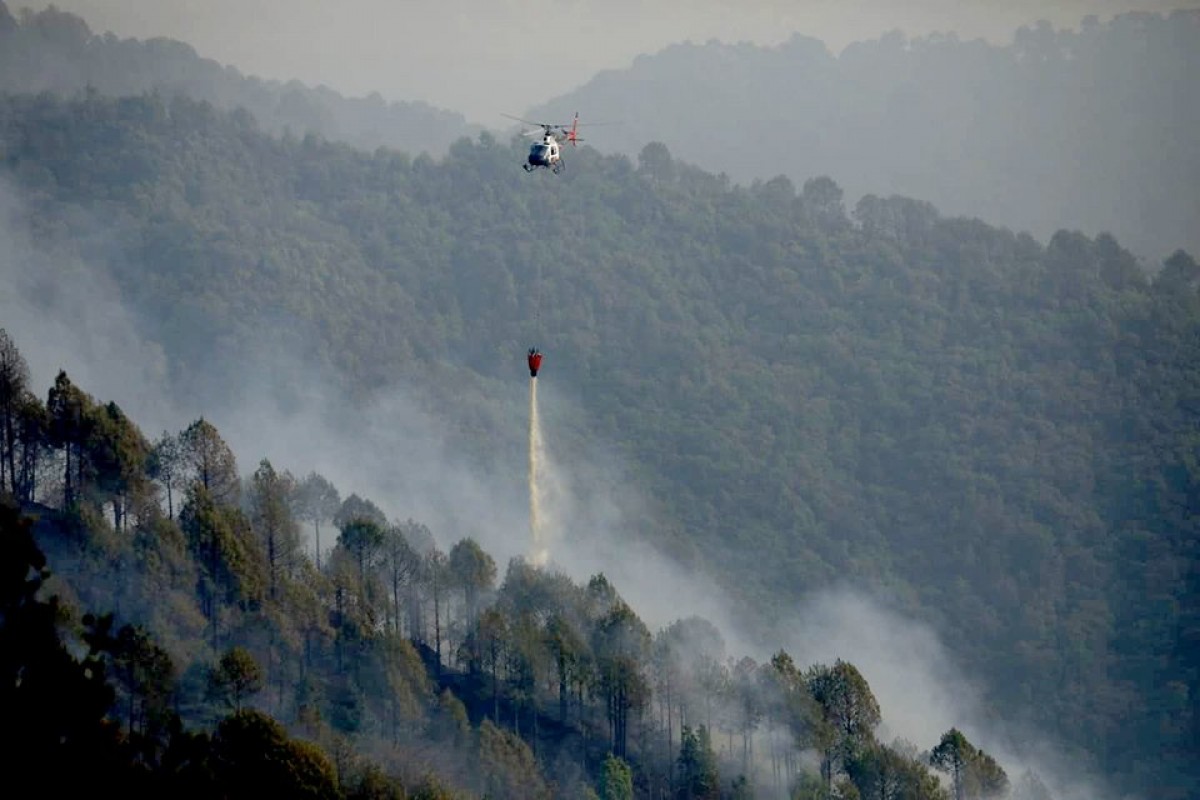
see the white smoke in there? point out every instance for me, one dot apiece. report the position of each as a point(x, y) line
point(921, 689)
point(64, 315)
point(398, 452)
point(540, 552)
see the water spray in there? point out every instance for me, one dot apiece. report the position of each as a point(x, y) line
point(539, 553)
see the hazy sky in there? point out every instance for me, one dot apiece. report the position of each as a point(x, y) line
point(487, 57)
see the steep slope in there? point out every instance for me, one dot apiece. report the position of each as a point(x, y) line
point(996, 434)
point(1096, 119)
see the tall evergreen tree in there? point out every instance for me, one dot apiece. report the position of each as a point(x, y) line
point(698, 775)
point(974, 774)
point(14, 384)
point(166, 465)
point(317, 501)
point(474, 571)
point(848, 707)
point(69, 410)
point(271, 517)
point(211, 461)
point(616, 779)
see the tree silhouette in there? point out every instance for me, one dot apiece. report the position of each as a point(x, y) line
point(14, 380)
point(236, 677)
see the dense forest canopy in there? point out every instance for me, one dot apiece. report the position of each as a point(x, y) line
point(237, 667)
point(1098, 119)
point(1092, 116)
point(994, 434)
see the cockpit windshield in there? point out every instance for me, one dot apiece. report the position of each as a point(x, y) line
point(539, 151)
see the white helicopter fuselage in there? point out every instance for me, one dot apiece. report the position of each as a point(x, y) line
point(544, 153)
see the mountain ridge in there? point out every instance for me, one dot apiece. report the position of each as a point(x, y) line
point(1095, 116)
point(52, 50)
point(994, 428)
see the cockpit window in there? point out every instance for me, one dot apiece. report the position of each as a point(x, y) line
point(540, 150)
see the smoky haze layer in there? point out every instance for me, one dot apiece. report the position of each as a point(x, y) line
point(1088, 129)
point(923, 691)
point(399, 455)
point(1079, 127)
point(487, 57)
point(989, 432)
point(58, 52)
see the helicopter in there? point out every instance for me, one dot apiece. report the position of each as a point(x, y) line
point(548, 152)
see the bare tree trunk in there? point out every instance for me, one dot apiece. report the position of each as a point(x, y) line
point(396, 601)
point(317, 530)
point(437, 627)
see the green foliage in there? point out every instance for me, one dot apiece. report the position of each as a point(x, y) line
point(221, 540)
point(392, 671)
point(861, 114)
point(879, 772)
point(55, 705)
point(472, 569)
point(509, 769)
point(31, 432)
point(374, 784)
point(353, 509)
point(809, 787)
point(975, 775)
point(117, 453)
point(165, 464)
point(363, 539)
point(273, 522)
point(698, 775)
point(345, 705)
point(146, 675)
point(70, 410)
point(996, 434)
point(236, 678)
point(212, 464)
point(848, 709)
point(316, 500)
point(616, 779)
point(691, 659)
point(620, 645)
point(14, 380)
point(252, 754)
point(789, 700)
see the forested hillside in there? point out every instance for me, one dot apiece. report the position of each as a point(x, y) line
point(55, 51)
point(236, 664)
point(996, 434)
point(1084, 129)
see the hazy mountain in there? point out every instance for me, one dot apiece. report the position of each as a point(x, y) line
point(1087, 129)
point(55, 51)
point(992, 434)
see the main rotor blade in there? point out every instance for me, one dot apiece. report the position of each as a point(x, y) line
point(527, 121)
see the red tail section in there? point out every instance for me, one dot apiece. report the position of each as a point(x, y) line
point(572, 135)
